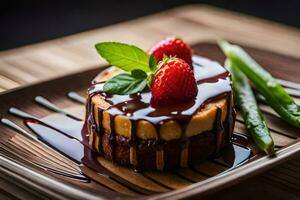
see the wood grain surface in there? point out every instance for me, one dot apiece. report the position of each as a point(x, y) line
point(194, 24)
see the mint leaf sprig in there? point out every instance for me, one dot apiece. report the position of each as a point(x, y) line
point(139, 67)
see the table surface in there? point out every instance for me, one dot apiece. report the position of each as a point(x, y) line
point(193, 23)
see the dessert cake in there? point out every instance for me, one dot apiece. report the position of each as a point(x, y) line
point(130, 131)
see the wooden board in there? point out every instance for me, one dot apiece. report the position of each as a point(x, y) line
point(29, 161)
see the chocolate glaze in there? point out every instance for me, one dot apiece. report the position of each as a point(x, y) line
point(138, 107)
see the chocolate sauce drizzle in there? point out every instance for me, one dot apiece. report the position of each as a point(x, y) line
point(61, 132)
point(100, 128)
point(212, 81)
point(218, 129)
point(133, 143)
point(112, 137)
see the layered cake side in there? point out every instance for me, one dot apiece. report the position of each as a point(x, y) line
point(128, 130)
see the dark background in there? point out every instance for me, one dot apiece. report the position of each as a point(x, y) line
point(29, 21)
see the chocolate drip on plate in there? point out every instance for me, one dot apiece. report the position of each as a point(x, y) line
point(60, 139)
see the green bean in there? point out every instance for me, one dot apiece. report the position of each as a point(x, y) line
point(266, 85)
point(245, 101)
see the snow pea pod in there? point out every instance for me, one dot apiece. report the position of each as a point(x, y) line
point(245, 101)
point(263, 81)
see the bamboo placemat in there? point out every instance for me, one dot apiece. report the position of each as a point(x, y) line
point(193, 23)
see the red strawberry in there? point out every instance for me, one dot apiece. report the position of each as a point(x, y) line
point(173, 83)
point(172, 47)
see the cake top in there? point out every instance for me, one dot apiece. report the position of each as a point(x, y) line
point(168, 82)
point(212, 81)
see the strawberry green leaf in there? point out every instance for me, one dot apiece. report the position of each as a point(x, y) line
point(124, 83)
point(152, 63)
point(137, 73)
point(124, 56)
